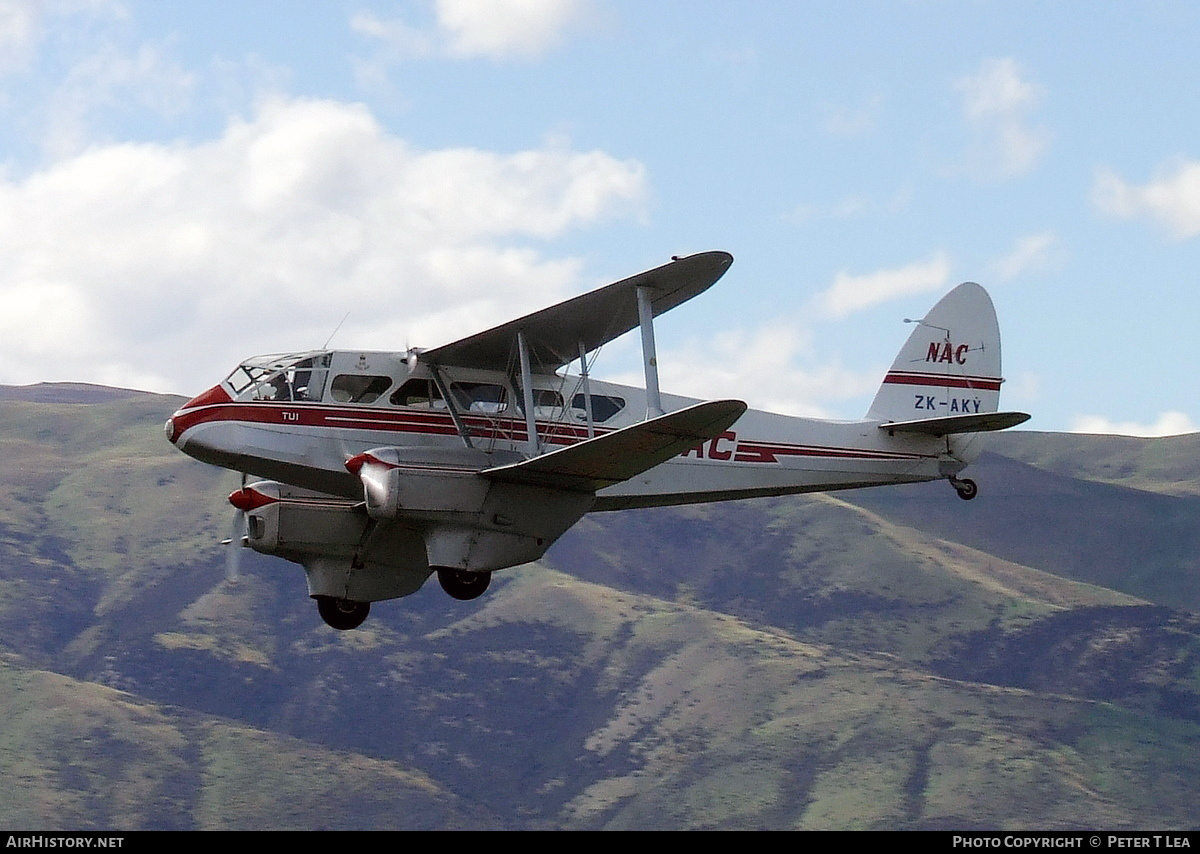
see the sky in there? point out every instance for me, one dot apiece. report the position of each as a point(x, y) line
point(184, 185)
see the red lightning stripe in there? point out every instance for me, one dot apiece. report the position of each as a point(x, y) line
point(942, 380)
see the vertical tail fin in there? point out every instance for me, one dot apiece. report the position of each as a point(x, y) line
point(950, 365)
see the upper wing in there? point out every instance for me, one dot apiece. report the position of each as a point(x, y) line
point(554, 334)
point(982, 423)
point(624, 453)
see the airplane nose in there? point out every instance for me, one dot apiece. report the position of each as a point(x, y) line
point(216, 394)
point(187, 414)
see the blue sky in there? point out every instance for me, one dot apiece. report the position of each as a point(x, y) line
point(186, 184)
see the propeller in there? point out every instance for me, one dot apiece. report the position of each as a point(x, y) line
point(233, 555)
point(378, 480)
point(233, 552)
point(375, 485)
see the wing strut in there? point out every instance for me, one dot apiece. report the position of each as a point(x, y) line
point(587, 391)
point(649, 357)
point(454, 416)
point(527, 393)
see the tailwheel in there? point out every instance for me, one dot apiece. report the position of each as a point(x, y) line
point(463, 583)
point(966, 488)
point(342, 614)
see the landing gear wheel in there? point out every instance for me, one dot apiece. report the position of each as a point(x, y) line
point(966, 488)
point(463, 583)
point(342, 614)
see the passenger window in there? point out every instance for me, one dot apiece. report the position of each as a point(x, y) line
point(356, 388)
point(604, 407)
point(485, 398)
point(547, 403)
point(422, 394)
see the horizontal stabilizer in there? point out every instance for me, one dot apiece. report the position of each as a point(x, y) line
point(982, 423)
point(624, 453)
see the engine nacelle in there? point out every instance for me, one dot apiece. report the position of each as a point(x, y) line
point(411, 482)
point(468, 520)
point(423, 508)
point(325, 534)
point(291, 522)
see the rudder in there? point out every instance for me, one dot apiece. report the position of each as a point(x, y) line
point(950, 364)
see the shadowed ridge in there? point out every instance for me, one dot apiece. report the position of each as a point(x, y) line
point(67, 393)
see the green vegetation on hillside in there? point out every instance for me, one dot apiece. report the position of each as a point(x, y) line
point(894, 658)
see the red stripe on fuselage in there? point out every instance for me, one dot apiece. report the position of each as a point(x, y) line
point(429, 423)
point(396, 421)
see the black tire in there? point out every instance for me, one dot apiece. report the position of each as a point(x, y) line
point(463, 584)
point(966, 489)
point(342, 614)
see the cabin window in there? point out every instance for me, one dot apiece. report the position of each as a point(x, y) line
point(604, 407)
point(358, 388)
point(484, 398)
point(308, 379)
point(293, 386)
point(419, 393)
point(547, 403)
point(241, 379)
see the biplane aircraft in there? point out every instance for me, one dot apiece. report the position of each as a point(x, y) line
point(468, 458)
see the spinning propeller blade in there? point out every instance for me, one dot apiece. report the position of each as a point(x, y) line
point(233, 554)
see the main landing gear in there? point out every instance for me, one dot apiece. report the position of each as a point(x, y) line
point(966, 488)
point(463, 583)
point(342, 614)
point(346, 614)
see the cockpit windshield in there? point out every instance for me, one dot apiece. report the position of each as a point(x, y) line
point(292, 377)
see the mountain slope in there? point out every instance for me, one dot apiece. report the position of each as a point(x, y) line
point(1166, 464)
point(81, 756)
point(881, 658)
point(1144, 543)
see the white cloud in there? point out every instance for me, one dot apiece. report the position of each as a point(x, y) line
point(167, 264)
point(997, 103)
point(850, 293)
point(853, 206)
point(498, 29)
point(762, 366)
point(1172, 198)
point(20, 31)
point(1031, 253)
point(847, 122)
point(401, 40)
point(113, 80)
point(72, 70)
point(26, 24)
point(1168, 424)
point(491, 29)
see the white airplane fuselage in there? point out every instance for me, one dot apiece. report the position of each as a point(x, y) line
point(307, 444)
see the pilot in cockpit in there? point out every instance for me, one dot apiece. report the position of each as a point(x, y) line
point(283, 390)
point(301, 383)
